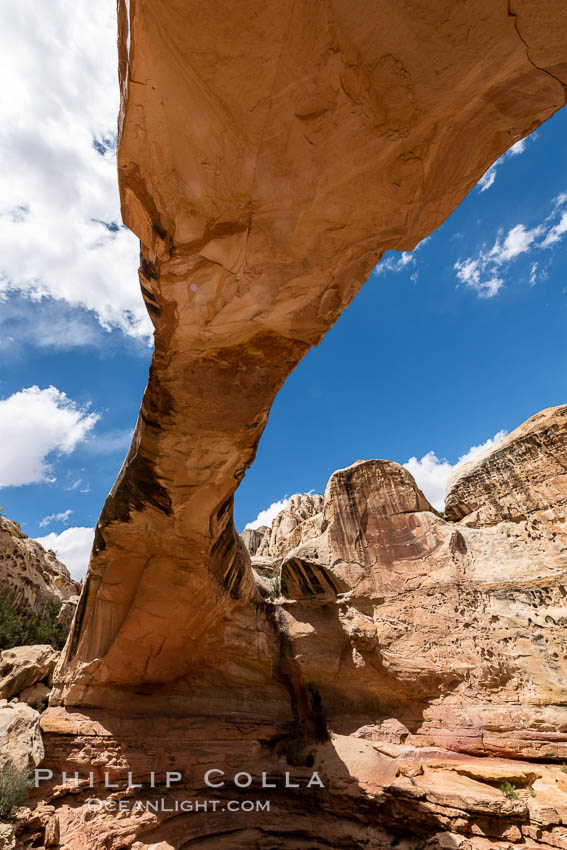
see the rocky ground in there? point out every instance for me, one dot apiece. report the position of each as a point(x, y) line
point(34, 587)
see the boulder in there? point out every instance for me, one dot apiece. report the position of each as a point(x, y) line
point(23, 666)
point(36, 695)
point(21, 744)
point(67, 610)
point(52, 832)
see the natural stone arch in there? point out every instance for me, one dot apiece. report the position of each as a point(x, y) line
point(269, 154)
point(267, 159)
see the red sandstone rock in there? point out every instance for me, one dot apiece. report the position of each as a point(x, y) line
point(269, 154)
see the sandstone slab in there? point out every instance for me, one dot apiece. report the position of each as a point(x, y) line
point(23, 666)
point(21, 743)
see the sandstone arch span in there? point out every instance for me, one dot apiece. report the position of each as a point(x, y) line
point(269, 153)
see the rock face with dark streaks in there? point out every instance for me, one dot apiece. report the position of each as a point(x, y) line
point(523, 478)
point(269, 154)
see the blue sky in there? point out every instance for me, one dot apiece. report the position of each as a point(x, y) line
point(442, 351)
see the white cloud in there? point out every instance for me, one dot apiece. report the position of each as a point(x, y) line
point(555, 233)
point(519, 147)
point(474, 451)
point(401, 261)
point(48, 324)
point(117, 440)
point(518, 240)
point(395, 263)
point(485, 271)
point(266, 516)
point(35, 424)
point(487, 180)
point(431, 473)
point(72, 547)
point(61, 517)
point(61, 235)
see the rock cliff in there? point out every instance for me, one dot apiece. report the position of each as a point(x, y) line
point(30, 576)
point(267, 159)
point(456, 628)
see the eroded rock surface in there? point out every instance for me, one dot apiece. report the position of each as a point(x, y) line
point(21, 744)
point(282, 535)
point(267, 159)
point(24, 666)
point(30, 576)
point(524, 477)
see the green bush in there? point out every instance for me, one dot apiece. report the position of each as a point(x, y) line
point(564, 767)
point(15, 786)
point(25, 629)
point(509, 790)
point(276, 587)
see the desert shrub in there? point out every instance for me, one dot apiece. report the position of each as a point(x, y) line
point(509, 790)
point(276, 586)
point(15, 786)
point(564, 767)
point(25, 628)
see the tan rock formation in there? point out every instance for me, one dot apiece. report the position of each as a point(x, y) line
point(36, 695)
point(252, 538)
point(457, 631)
point(23, 666)
point(30, 576)
point(7, 837)
point(21, 743)
point(267, 159)
point(519, 480)
point(291, 526)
